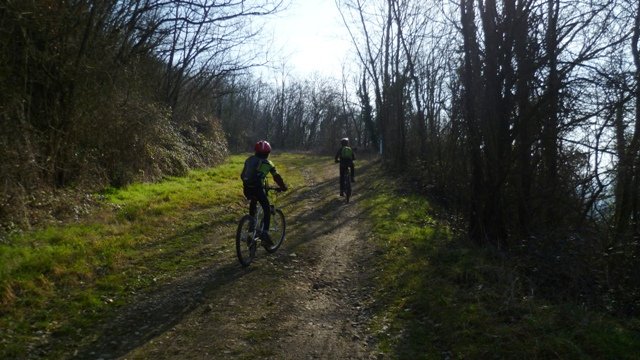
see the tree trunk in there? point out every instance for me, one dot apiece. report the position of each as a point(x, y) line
point(551, 123)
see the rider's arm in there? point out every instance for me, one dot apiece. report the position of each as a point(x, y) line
point(277, 178)
point(338, 155)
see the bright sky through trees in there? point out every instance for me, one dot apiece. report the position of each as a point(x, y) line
point(309, 37)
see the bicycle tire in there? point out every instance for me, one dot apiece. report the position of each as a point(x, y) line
point(245, 240)
point(347, 187)
point(277, 230)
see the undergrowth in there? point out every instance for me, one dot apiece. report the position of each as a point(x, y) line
point(442, 298)
point(57, 282)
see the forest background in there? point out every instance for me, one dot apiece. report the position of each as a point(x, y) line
point(521, 117)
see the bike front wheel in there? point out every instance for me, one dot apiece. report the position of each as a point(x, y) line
point(277, 230)
point(246, 240)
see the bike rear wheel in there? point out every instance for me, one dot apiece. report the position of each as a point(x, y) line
point(246, 240)
point(277, 230)
point(348, 189)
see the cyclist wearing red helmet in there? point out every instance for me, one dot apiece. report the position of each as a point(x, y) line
point(254, 177)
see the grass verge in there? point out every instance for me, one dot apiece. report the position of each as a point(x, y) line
point(439, 297)
point(57, 282)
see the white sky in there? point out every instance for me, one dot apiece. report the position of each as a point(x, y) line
point(309, 37)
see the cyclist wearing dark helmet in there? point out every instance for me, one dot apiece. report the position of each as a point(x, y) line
point(345, 156)
point(254, 177)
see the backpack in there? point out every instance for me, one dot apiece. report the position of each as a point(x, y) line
point(346, 153)
point(250, 175)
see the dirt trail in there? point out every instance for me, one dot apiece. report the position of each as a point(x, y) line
point(310, 300)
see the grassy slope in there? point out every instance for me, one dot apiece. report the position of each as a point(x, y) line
point(444, 299)
point(438, 297)
point(56, 282)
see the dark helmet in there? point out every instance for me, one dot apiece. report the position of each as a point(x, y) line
point(262, 147)
point(344, 141)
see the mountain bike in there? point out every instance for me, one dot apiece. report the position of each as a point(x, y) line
point(250, 228)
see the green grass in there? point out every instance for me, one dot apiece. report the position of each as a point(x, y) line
point(441, 298)
point(61, 279)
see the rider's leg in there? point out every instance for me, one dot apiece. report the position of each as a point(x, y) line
point(266, 216)
point(250, 194)
point(252, 207)
point(343, 173)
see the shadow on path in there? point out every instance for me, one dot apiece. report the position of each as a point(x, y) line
point(153, 314)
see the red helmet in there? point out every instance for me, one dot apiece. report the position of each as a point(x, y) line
point(262, 147)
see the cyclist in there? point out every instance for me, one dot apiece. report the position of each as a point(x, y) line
point(254, 177)
point(345, 157)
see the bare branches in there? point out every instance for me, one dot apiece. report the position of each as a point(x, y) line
point(104, 88)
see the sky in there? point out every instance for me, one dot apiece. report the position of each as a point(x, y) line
point(310, 38)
